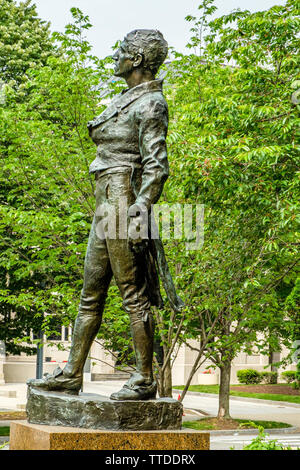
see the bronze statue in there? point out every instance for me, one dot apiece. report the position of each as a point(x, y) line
point(132, 164)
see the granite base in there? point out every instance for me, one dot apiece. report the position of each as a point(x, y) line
point(26, 436)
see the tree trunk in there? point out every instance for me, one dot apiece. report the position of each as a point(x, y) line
point(165, 382)
point(223, 412)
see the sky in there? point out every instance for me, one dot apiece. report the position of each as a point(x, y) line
point(113, 19)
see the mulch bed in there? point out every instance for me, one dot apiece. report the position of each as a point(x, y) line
point(217, 424)
point(224, 424)
point(279, 389)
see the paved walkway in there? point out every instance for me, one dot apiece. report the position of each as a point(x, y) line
point(239, 408)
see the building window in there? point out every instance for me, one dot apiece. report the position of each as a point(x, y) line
point(56, 335)
point(67, 333)
point(55, 329)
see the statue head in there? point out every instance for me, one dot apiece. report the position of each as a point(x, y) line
point(144, 49)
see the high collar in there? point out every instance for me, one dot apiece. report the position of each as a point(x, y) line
point(131, 94)
point(153, 85)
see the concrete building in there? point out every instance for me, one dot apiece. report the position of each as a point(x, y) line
point(100, 364)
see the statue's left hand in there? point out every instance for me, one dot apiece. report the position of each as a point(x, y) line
point(137, 229)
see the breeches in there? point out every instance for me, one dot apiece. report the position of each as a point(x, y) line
point(108, 253)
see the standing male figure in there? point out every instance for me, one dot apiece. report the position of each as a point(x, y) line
point(131, 165)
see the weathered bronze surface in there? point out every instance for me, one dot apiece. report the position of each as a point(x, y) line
point(99, 412)
point(131, 166)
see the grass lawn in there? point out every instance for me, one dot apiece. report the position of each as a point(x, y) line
point(211, 424)
point(4, 430)
point(264, 396)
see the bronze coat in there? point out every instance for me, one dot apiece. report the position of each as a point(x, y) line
point(132, 132)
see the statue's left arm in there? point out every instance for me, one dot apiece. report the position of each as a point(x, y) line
point(152, 120)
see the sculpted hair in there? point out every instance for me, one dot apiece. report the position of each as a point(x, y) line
point(151, 44)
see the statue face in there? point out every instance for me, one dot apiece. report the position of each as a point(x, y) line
point(123, 61)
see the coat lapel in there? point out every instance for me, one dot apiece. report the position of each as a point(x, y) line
point(123, 100)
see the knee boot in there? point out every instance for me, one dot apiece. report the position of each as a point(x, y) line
point(141, 385)
point(69, 380)
point(85, 330)
point(143, 337)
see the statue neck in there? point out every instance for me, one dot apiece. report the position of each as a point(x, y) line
point(139, 76)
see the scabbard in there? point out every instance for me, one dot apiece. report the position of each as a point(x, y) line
point(163, 268)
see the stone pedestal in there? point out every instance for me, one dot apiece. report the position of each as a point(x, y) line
point(26, 436)
point(93, 411)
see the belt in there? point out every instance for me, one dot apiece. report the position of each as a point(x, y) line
point(108, 171)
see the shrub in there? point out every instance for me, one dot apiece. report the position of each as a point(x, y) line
point(289, 376)
point(269, 377)
point(262, 443)
point(248, 376)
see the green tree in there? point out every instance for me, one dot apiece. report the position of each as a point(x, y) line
point(24, 41)
point(46, 194)
point(233, 147)
point(25, 44)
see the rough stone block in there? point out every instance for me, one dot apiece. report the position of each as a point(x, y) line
point(25, 436)
point(93, 411)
